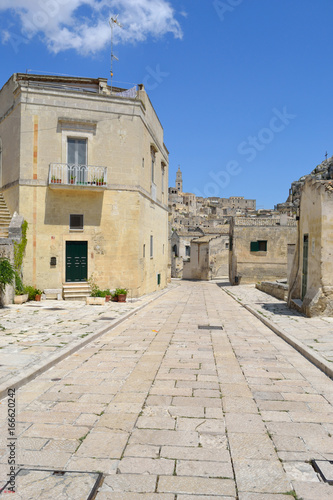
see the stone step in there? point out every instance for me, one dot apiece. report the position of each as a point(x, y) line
point(5, 218)
point(76, 291)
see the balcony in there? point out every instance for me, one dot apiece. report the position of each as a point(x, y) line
point(66, 175)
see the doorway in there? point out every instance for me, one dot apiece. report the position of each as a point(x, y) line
point(76, 261)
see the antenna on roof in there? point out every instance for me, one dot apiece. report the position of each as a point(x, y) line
point(113, 21)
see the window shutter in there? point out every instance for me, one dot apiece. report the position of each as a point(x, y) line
point(254, 246)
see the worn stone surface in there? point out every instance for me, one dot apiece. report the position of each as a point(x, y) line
point(167, 411)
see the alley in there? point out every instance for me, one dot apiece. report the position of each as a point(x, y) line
point(192, 398)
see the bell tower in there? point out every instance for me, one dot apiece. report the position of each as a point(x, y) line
point(179, 180)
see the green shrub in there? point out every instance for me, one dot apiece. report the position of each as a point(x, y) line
point(120, 291)
point(19, 288)
point(32, 292)
point(7, 273)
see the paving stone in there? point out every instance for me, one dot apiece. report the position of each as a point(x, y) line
point(144, 451)
point(195, 453)
point(246, 422)
point(204, 469)
point(262, 496)
point(196, 485)
point(157, 423)
point(261, 476)
point(117, 421)
point(134, 496)
point(103, 444)
point(251, 446)
point(129, 465)
point(164, 437)
point(129, 483)
point(311, 490)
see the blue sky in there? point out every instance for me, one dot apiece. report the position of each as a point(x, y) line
point(243, 88)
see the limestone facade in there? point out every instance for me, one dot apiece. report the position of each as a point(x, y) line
point(83, 165)
point(259, 249)
point(311, 282)
point(209, 258)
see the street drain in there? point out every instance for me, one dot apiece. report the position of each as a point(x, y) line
point(45, 484)
point(108, 319)
point(54, 308)
point(209, 327)
point(325, 469)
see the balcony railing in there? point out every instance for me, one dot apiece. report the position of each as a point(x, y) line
point(77, 175)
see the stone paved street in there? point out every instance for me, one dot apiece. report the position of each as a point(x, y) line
point(315, 333)
point(168, 411)
point(36, 334)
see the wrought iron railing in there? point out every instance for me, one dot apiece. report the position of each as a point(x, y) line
point(78, 175)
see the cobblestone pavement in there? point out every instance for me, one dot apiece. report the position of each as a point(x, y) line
point(169, 411)
point(315, 333)
point(35, 334)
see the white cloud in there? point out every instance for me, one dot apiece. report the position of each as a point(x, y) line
point(83, 24)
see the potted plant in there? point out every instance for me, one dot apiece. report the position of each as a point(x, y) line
point(97, 296)
point(114, 297)
point(72, 179)
point(53, 179)
point(38, 294)
point(33, 293)
point(107, 295)
point(20, 295)
point(121, 294)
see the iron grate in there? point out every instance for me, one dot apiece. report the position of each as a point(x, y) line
point(82, 485)
point(325, 469)
point(210, 327)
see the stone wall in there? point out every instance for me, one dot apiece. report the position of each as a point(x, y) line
point(7, 252)
point(249, 266)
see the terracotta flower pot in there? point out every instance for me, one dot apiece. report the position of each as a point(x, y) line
point(107, 298)
point(38, 297)
point(122, 298)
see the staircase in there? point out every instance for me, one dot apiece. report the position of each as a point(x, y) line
point(76, 291)
point(5, 217)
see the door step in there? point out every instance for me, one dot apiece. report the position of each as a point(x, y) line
point(76, 291)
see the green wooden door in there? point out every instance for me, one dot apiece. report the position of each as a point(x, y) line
point(76, 261)
point(305, 264)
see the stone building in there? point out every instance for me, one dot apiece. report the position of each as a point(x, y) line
point(88, 170)
point(311, 280)
point(259, 249)
point(208, 258)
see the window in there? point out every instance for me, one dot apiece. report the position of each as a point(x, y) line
point(151, 246)
point(77, 160)
point(77, 152)
point(158, 279)
point(163, 173)
point(258, 246)
point(143, 163)
point(144, 251)
point(188, 251)
point(175, 250)
point(76, 221)
point(153, 156)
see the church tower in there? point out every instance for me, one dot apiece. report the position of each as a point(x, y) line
point(179, 181)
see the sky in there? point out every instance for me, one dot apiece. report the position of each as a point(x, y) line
point(243, 88)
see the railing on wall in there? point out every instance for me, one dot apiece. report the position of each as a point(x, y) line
point(77, 175)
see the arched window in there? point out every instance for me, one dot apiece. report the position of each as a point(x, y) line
point(174, 249)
